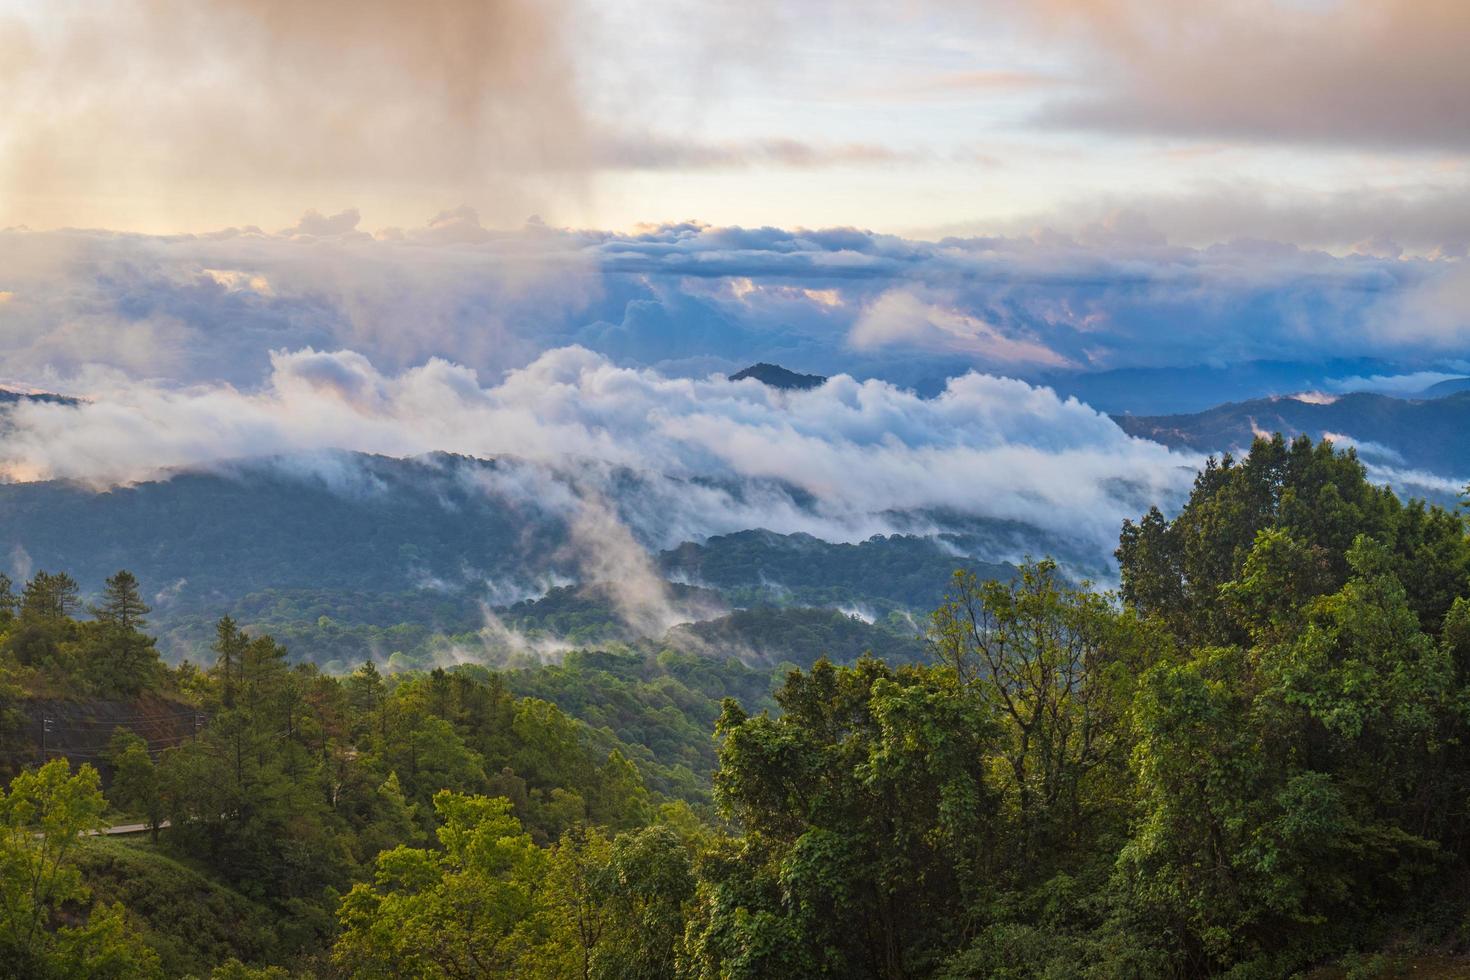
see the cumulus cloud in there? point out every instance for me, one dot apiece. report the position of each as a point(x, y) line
point(317, 224)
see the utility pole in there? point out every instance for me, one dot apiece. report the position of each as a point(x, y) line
point(45, 730)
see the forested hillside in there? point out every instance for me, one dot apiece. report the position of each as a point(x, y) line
point(1252, 760)
point(1422, 433)
point(346, 555)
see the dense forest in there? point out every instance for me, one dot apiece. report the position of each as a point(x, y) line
point(1250, 760)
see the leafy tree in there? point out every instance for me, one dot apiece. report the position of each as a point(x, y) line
point(41, 818)
point(1055, 666)
point(135, 781)
point(466, 910)
point(1322, 498)
point(576, 887)
point(1289, 789)
point(647, 883)
point(868, 808)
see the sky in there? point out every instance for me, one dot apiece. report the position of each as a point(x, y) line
point(1327, 123)
point(552, 228)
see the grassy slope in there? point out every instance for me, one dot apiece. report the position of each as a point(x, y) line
point(193, 921)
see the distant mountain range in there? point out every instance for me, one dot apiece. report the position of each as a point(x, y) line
point(349, 546)
point(1427, 434)
point(778, 377)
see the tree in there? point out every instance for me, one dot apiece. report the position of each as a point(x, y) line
point(41, 819)
point(48, 596)
point(135, 781)
point(9, 601)
point(468, 909)
point(646, 884)
point(576, 896)
point(114, 662)
point(1289, 789)
point(1322, 498)
point(122, 605)
point(229, 647)
point(1056, 666)
point(869, 819)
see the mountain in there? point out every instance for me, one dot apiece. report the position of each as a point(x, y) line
point(342, 554)
point(345, 521)
point(885, 572)
point(1170, 390)
point(10, 396)
point(1421, 434)
point(767, 636)
point(778, 377)
point(1446, 387)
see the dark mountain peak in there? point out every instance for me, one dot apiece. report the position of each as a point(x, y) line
point(11, 396)
point(778, 377)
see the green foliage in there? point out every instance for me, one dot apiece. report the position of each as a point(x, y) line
point(466, 909)
point(122, 605)
point(871, 823)
point(770, 636)
point(41, 818)
point(108, 657)
point(1250, 761)
point(1055, 666)
point(192, 921)
point(49, 596)
point(888, 573)
point(136, 787)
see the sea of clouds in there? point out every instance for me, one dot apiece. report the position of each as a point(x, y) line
point(575, 348)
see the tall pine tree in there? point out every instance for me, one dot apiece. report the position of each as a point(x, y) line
point(122, 603)
point(50, 596)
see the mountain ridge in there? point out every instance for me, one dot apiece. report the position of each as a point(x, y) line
point(1423, 433)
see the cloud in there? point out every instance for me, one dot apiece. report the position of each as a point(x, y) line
point(1396, 384)
point(844, 461)
point(258, 96)
point(899, 317)
point(1431, 219)
point(1354, 73)
point(143, 111)
point(689, 299)
point(319, 225)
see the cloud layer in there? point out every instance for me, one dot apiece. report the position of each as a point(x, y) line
point(845, 461)
point(688, 299)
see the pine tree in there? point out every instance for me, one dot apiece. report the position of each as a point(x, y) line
point(122, 603)
point(50, 596)
point(230, 645)
point(9, 602)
